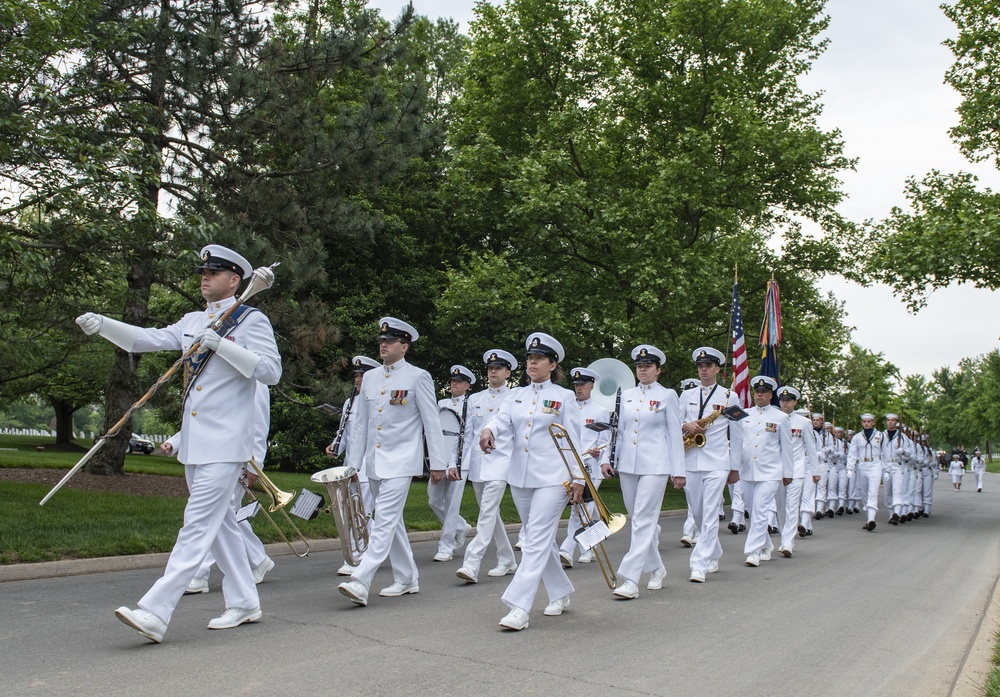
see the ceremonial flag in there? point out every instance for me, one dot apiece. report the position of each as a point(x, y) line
point(741, 368)
point(770, 335)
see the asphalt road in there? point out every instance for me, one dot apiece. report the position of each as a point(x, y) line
point(886, 613)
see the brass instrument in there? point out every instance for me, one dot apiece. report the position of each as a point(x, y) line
point(697, 440)
point(279, 499)
point(348, 510)
point(612, 521)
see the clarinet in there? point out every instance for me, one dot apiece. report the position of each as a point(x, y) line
point(461, 436)
point(613, 421)
point(343, 422)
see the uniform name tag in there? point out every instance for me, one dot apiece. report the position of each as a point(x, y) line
point(398, 397)
point(550, 407)
point(770, 428)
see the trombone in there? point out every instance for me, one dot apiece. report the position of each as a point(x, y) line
point(279, 499)
point(607, 524)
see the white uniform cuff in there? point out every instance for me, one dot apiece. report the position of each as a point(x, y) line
point(240, 358)
point(118, 333)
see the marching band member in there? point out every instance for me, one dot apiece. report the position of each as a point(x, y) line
point(853, 483)
point(837, 475)
point(813, 498)
point(708, 469)
point(765, 464)
point(260, 563)
point(651, 450)
point(361, 365)
point(864, 461)
point(895, 452)
point(488, 474)
point(536, 477)
point(788, 498)
point(445, 497)
point(584, 380)
point(395, 406)
point(218, 413)
point(930, 473)
point(979, 467)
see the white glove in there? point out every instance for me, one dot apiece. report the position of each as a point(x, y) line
point(850, 474)
point(208, 339)
point(90, 323)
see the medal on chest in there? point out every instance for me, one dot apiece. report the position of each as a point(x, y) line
point(551, 407)
point(654, 405)
point(398, 397)
point(770, 427)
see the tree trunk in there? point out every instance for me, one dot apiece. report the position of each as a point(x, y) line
point(64, 420)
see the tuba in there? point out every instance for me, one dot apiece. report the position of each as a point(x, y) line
point(615, 376)
point(607, 524)
point(348, 510)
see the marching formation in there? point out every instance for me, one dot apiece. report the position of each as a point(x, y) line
point(551, 446)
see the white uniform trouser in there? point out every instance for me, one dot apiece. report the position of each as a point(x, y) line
point(209, 525)
point(690, 527)
point(643, 495)
point(854, 492)
point(821, 487)
point(388, 538)
point(762, 503)
point(907, 490)
point(489, 527)
point(445, 499)
point(540, 509)
point(979, 478)
point(928, 489)
point(836, 491)
point(893, 485)
point(736, 494)
point(254, 547)
point(789, 502)
point(870, 478)
point(569, 544)
point(808, 501)
point(704, 495)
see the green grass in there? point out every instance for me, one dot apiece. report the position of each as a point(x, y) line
point(992, 686)
point(78, 524)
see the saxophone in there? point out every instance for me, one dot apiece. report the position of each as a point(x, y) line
point(697, 440)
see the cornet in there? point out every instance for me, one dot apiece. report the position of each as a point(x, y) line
point(607, 523)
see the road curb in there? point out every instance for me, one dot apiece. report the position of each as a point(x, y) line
point(978, 663)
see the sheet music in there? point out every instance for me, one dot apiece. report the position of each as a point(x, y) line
point(247, 511)
point(592, 535)
point(307, 505)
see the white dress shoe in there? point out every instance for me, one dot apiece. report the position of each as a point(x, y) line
point(752, 560)
point(235, 616)
point(443, 556)
point(627, 590)
point(261, 569)
point(566, 559)
point(516, 619)
point(765, 555)
point(786, 552)
point(197, 585)
point(686, 541)
point(713, 566)
point(356, 591)
point(346, 570)
point(148, 624)
point(461, 535)
point(397, 589)
point(586, 557)
point(467, 575)
point(697, 576)
point(656, 579)
point(502, 570)
point(556, 607)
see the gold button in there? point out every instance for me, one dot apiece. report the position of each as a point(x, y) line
point(529, 424)
point(194, 413)
point(526, 437)
point(525, 450)
point(380, 410)
point(198, 388)
point(378, 428)
point(383, 391)
point(211, 316)
point(378, 445)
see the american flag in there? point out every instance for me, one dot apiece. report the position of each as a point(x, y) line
point(741, 369)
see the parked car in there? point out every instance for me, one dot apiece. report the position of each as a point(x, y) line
point(140, 445)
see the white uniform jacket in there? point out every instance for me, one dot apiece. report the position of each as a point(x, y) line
point(218, 411)
point(978, 465)
point(805, 462)
point(838, 455)
point(526, 415)
point(649, 432)
point(767, 445)
point(866, 452)
point(825, 445)
point(495, 466)
point(353, 433)
point(396, 406)
point(723, 438)
point(899, 450)
point(593, 413)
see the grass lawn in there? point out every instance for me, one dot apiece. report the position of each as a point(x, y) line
point(78, 524)
point(992, 687)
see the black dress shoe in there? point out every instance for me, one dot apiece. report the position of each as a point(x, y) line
point(850, 511)
point(802, 531)
point(734, 528)
point(870, 525)
point(829, 514)
point(857, 510)
point(742, 527)
point(840, 511)
point(722, 516)
point(894, 520)
point(926, 514)
point(808, 533)
point(903, 518)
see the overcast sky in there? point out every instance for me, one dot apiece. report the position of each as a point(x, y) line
point(882, 78)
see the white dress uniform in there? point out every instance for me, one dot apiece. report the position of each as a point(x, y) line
point(956, 469)
point(815, 493)
point(536, 478)
point(979, 468)
point(805, 463)
point(930, 473)
point(766, 460)
point(864, 460)
point(650, 449)
point(219, 412)
point(853, 483)
point(488, 476)
point(445, 497)
point(837, 480)
point(397, 411)
point(591, 413)
point(707, 468)
point(896, 449)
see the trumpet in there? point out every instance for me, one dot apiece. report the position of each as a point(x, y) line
point(279, 499)
point(607, 524)
point(348, 510)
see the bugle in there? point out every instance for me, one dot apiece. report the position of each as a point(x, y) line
point(607, 524)
point(348, 510)
point(279, 499)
